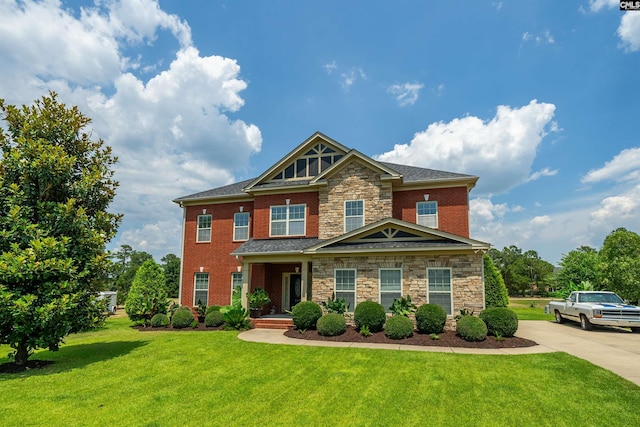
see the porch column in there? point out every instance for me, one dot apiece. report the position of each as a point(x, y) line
point(245, 284)
point(305, 277)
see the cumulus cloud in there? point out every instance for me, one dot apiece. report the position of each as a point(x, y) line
point(629, 28)
point(596, 5)
point(500, 150)
point(541, 220)
point(544, 172)
point(171, 130)
point(623, 167)
point(544, 37)
point(351, 76)
point(406, 93)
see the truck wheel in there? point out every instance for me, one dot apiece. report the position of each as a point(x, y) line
point(559, 318)
point(584, 323)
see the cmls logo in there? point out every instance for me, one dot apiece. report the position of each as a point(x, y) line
point(629, 5)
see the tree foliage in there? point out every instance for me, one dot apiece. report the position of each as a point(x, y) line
point(126, 262)
point(55, 187)
point(171, 267)
point(620, 264)
point(495, 291)
point(522, 272)
point(148, 295)
point(579, 266)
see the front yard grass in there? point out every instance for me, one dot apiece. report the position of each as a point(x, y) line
point(530, 308)
point(119, 376)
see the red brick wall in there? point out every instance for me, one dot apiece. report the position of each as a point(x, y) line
point(453, 207)
point(262, 212)
point(212, 256)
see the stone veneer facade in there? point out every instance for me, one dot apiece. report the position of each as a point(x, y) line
point(354, 181)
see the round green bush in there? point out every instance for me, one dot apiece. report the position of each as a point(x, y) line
point(371, 314)
point(160, 320)
point(182, 319)
point(306, 314)
point(500, 321)
point(471, 328)
point(332, 324)
point(214, 319)
point(212, 308)
point(398, 327)
point(430, 319)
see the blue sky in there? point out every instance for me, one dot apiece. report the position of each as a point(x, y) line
point(540, 99)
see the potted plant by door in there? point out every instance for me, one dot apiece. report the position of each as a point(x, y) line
point(257, 299)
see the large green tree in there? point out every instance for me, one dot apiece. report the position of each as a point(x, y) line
point(521, 271)
point(171, 267)
point(578, 266)
point(56, 184)
point(620, 264)
point(495, 291)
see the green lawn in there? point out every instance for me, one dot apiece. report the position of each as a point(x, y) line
point(530, 308)
point(119, 376)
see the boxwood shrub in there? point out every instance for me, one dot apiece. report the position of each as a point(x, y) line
point(371, 314)
point(214, 319)
point(305, 315)
point(430, 319)
point(331, 324)
point(212, 308)
point(160, 320)
point(398, 327)
point(182, 319)
point(500, 321)
point(471, 328)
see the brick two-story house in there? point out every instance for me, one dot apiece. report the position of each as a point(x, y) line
point(327, 220)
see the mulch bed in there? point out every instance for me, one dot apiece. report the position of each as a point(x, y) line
point(447, 339)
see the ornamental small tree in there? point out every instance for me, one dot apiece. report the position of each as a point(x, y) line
point(148, 293)
point(495, 291)
point(55, 188)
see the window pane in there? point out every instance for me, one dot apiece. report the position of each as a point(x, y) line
point(296, 212)
point(349, 298)
point(353, 207)
point(390, 280)
point(241, 233)
point(204, 235)
point(278, 213)
point(440, 288)
point(427, 208)
point(201, 288)
point(352, 223)
point(345, 280)
point(278, 228)
point(313, 166)
point(441, 299)
point(241, 219)
point(288, 172)
point(386, 299)
point(296, 228)
point(301, 168)
point(326, 162)
point(428, 221)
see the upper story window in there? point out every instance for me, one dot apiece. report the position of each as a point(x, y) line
point(353, 214)
point(204, 228)
point(427, 213)
point(313, 162)
point(288, 220)
point(241, 226)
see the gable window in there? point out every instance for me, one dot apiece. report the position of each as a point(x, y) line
point(427, 213)
point(316, 160)
point(204, 228)
point(390, 286)
point(201, 288)
point(236, 285)
point(241, 226)
point(439, 288)
point(345, 280)
point(353, 214)
point(288, 220)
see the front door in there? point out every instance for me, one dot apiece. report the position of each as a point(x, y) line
point(295, 290)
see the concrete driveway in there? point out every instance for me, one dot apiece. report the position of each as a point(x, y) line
point(616, 350)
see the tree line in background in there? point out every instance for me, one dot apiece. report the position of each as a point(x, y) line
point(615, 267)
point(125, 263)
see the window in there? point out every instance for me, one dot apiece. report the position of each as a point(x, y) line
point(390, 286)
point(353, 214)
point(346, 286)
point(427, 214)
point(236, 286)
point(316, 160)
point(201, 294)
point(288, 220)
point(439, 284)
point(204, 228)
point(241, 226)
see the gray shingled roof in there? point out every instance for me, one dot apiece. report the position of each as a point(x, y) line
point(275, 246)
point(417, 174)
point(227, 190)
point(394, 245)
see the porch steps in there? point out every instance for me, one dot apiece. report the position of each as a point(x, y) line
point(266, 323)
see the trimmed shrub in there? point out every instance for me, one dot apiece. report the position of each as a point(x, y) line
point(495, 291)
point(148, 294)
point(236, 317)
point(160, 320)
point(371, 314)
point(471, 328)
point(331, 324)
point(306, 314)
point(500, 321)
point(212, 308)
point(213, 319)
point(430, 319)
point(182, 319)
point(398, 327)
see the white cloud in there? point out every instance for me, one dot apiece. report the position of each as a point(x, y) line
point(500, 150)
point(544, 172)
point(623, 167)
point(351, 76)
point(629, 31)
point(545, 37)
point(406, 93)
point(171, 131)
point(331, 67)
point(596, 5)
point(541, 220)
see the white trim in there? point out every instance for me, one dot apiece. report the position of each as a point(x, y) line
point(355, 286)
point(183, 237)
point(386, 309)
point(344, 210)
point(287, 220)
point(418, 216)
point(286, 289)
point(440, 292)
point(210, 228)
point(234, 274)
point(247, 226)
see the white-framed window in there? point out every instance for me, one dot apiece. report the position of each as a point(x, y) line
point(201, 288)
point(204, 228)
point(353, 214)
point(345, 280)
point(390, 286)
point(427, 213)
point(439, 288)
point(236, 283)
point(288, 220)
point(241, 226)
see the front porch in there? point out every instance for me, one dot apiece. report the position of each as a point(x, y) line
point(272, 321)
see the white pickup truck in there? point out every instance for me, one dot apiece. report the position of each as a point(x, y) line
point(596, 308)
